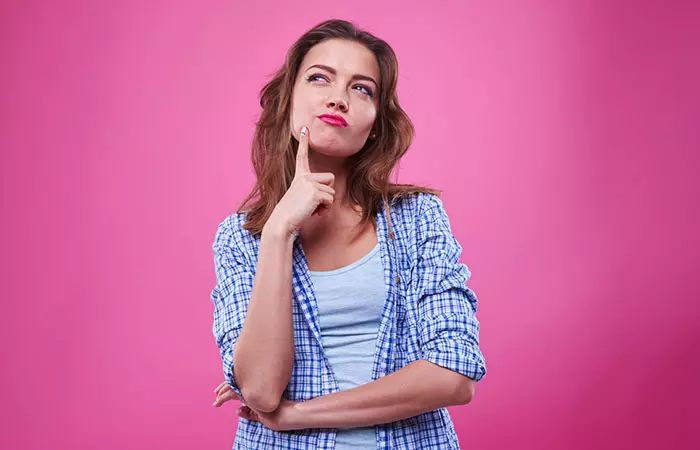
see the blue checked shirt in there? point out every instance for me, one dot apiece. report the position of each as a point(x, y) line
point(429, 314)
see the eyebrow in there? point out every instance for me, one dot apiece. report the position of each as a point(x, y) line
point(357, 76)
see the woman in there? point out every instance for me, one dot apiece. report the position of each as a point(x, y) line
point(359, 329)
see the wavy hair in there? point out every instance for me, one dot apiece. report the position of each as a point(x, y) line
point(274, 146)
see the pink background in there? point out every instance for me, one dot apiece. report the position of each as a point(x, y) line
point(564, 134)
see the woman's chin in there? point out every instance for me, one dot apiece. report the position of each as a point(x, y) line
point(332, 149)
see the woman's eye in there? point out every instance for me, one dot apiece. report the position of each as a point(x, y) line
point(315, 76)
point(367, 90)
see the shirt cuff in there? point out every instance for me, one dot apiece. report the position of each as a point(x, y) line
point(228, 363)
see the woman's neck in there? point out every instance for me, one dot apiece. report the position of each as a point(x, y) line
point(337, 166)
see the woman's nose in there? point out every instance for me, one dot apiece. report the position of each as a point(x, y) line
point(337, 103)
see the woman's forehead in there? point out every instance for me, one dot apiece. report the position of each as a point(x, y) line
point(346, 57)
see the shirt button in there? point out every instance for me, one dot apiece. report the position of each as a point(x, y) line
point(398, 279)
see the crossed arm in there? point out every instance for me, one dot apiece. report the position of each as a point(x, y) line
point(417, 388)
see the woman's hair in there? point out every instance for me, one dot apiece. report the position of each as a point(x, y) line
point(274, 146)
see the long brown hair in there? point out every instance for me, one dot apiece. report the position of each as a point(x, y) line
point(274, 145)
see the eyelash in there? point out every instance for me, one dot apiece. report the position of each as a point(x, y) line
point(369, 91)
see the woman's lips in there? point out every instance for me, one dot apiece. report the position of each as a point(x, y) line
point(334, 120)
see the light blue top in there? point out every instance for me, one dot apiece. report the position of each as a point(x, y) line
point(350, 303)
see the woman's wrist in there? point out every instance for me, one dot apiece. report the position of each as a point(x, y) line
point(278, 229)
point(295, 419)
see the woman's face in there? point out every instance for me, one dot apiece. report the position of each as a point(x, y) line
point(337, 78)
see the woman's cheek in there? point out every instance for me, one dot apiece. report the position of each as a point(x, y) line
point(369, 119)
point(300, 117)
point(371, 112)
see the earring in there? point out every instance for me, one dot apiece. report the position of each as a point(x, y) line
point(374, 136)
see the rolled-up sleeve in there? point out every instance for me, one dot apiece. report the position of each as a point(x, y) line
point(448, 330)
point(231, 295)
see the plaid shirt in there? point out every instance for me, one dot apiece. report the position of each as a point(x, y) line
point(429, 314)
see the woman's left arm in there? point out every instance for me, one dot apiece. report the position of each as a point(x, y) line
point(415, 389)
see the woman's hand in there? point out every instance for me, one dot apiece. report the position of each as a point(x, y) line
point(284, 418)
point(224, 393)
point(309, 192)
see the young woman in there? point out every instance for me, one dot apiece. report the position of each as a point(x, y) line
point(341, 309)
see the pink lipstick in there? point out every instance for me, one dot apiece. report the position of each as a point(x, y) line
point(333, 119)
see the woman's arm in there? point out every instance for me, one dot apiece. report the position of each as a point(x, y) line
point(416, 389)
point(264, 352)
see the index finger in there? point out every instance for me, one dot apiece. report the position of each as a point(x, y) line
point(303, 151)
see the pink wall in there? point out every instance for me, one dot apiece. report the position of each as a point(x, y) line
point(565, 136)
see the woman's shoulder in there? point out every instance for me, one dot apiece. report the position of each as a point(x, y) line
point(230, 231)
point(414, 208)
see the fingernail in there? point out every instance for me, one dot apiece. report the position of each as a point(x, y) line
point(303, 131)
